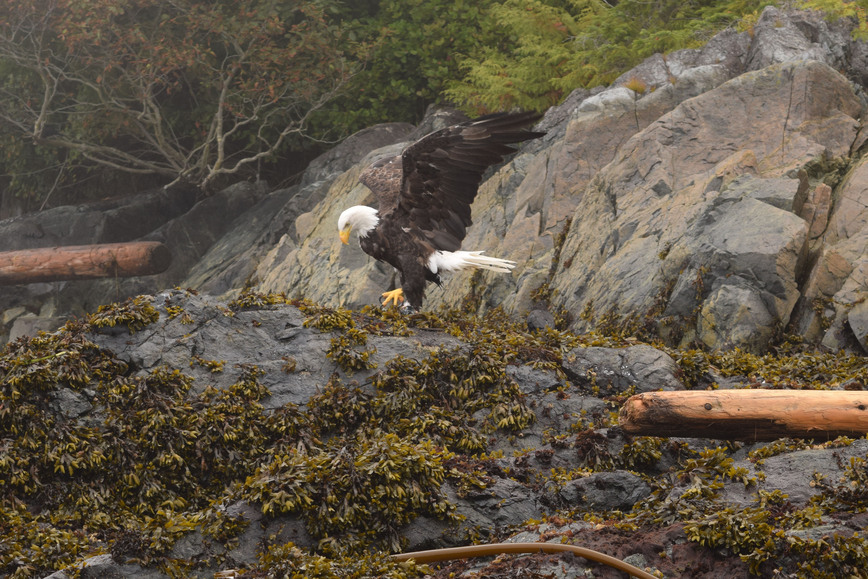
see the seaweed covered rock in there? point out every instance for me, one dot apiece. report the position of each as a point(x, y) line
point(179, 435)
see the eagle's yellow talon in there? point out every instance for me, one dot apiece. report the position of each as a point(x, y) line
point(396, 296)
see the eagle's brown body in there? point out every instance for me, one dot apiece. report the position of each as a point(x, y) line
point(425, 195)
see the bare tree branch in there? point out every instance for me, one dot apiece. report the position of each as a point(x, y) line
point(188, 92)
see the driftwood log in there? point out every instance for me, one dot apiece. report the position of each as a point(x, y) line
point(751, 415)
point(83, 262)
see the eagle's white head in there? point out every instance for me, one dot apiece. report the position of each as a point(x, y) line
point(359, 218)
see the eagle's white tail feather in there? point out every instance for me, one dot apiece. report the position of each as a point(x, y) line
point(458, 260)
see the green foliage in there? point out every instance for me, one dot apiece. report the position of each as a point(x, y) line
point(553, 47)
point(641, 452)
point(775, 448)
point(327, 319)
point(693, 365)
point(760, 533)
point(410, 49)
point(435, 398)
point(204, 92)
point(831, 557)
point(343, 351)
point(526, 70)
point(835, 9)
point(190, 91)
point(691, 491)
point(155, 457)
point(743, 531)
point(142, 470)
point(33, 548)
point(797, 370)
point(340, 409)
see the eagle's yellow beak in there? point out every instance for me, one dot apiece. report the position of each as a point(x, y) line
point(345, 235)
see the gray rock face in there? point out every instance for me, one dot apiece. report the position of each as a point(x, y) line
point(698, 203)
point(684, 201)
point(682, 227)
point(188, 229)
point(111, 221)
point(605, 491)
point(292, 356)
point(616, 370)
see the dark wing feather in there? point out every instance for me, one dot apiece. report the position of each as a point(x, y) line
point(384, 179)
point(441, 174)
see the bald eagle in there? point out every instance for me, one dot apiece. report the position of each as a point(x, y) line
point(424, 198)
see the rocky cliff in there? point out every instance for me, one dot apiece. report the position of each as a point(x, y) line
point(711, 196)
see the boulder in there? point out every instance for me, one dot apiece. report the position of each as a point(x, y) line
point(605, 491)
point(615, 371)
point(830, 309)
point(111, 221)
point(681, 223)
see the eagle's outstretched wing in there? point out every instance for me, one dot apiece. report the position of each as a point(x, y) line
point(384, 179)
point(441, 172)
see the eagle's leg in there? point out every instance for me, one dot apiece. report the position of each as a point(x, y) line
point(413, 282)
point(396, 296)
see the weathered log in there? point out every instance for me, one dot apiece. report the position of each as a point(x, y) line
point(751, 415)
point(83, 262)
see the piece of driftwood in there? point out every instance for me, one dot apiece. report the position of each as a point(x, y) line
point(83, 262)
point(751, 415)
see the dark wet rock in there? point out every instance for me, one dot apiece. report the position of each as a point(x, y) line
point(617, 370)
point(605, 491)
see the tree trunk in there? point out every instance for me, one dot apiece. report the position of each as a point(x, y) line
point(83, 262)
point(751, 415)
